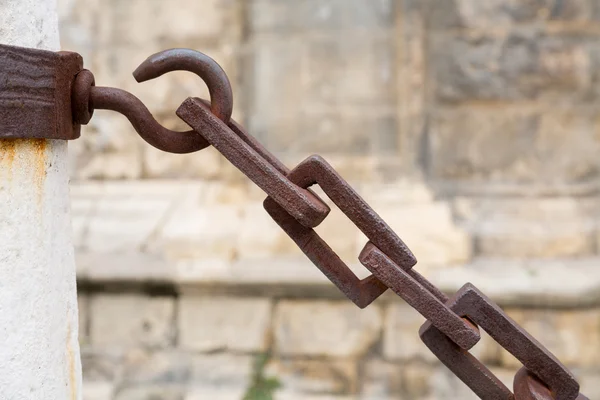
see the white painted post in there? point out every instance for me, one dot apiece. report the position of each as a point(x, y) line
point(39, 350)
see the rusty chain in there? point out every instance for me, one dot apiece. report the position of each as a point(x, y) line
point(452, 326)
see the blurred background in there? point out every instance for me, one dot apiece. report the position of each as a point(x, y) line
point(471, 126)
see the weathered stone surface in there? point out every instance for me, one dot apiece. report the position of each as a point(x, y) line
point(131, 321)
point(442, 384)
point(131, 267)
point(330, 15)
point(335, 133)
point(541, 283)
point(97, 390)
point(524, 64)
point(552, 227)
point(149, 392)
point(381, 380)
point(401, 340)
point(217, 394)
point(589, 383)
point(487, 350)
point(82, 307)
point(335, 76)
point(325, 328)
point(314, 376)
point(224, 323)
point(205, 164)
point(283, 395)
point(501, 13)
point(572, 336)
point(123, 223)
point(324, 104)
point(145, 368)
point(201, 233)
point(220, 372)
point(466, 145)
point(259, 237)
point(429, 231)
point(340, 233)
point(543, 239)
point(122, 216)
point(101, 365)
point(412, 31)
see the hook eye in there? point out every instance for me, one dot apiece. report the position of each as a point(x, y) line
point(87, 97)
point(219, 87)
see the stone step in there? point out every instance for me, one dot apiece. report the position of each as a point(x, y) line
point(530, 227)
point(567, 282)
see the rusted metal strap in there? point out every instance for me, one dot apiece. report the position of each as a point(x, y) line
point(35, 93)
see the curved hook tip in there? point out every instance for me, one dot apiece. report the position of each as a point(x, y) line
point(144, 71)
point(181, 59)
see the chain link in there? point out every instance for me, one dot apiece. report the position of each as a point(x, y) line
point(452, 326)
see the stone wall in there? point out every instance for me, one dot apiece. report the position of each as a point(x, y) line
point(469, 125)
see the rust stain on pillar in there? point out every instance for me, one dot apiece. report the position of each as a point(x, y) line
point(32, 153)
point(39, 158)
point(71, 363)
point(7, 153)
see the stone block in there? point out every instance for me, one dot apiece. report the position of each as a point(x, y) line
point(429, 231)
point(224, 323)
point(339, 233)
point(401, 340)
point(523, 64)
point(572, 336)
point(125, 217)
point(381, 380)
point(418, 380)
point(193, 231)
point(494, 14)
point(128, 23)
point(321, 328)
point(219, 372)
point(219, 193)
point(444, 385)
point(106, 164)
point(283, 395)
point(341, 104)
point(589, 383)
point(549, 227)
point(314, 376)
point(119, 268)
point(148, 392)
point(541, 239)
point(205, 164)
point(336, 76)
point(351, 136)
point(132, 321)
point(142, 368)
point(532, 147)
point(101, 365)
point(291, 17)
point(196, 393)
point(259, 237)
point(97, 390)
point(83, 320)
point(518, 282)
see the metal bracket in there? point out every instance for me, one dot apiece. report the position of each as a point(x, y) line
point(35, 93)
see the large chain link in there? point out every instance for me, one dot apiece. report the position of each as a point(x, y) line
point(452, 326)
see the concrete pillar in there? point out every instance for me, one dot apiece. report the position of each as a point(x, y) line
point(39, 350)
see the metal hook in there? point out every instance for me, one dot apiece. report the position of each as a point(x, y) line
point(87, 97)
